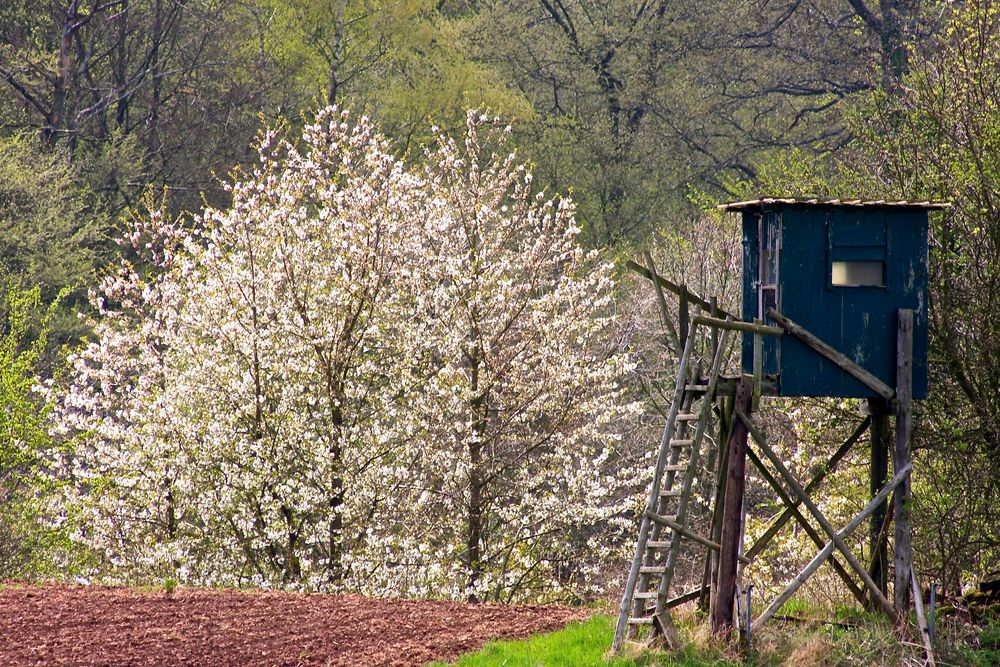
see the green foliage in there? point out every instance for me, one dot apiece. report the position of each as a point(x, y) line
point(26, 539)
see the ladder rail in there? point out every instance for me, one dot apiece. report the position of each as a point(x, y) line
point(693, 461)
point(665, 496)
point(654, 494)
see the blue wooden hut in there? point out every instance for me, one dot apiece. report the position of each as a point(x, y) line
point(840, 269)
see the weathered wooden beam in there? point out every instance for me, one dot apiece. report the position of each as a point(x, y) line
point(814, 510)
point(725, 588)
point(764, 540)
point(925, 632)
point(901, 457)
point(683, 315)
point(806, 526)
point(690, 534)
point(737, 325)
point(692, 297)
point(758, 365)
point(721, 474)
point(686, 597)
point(846, 364)
point(814, 564)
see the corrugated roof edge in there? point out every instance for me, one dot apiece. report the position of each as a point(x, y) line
point(812, 201)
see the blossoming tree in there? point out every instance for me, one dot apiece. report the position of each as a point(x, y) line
point(360, 374)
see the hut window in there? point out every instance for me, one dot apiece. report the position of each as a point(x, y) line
point(858, 274)
point(857, 254)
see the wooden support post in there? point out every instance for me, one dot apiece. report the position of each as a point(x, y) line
point(758, 366)
point(902, 459)
point(725, 589)
point(879, 409)
point(718, 501)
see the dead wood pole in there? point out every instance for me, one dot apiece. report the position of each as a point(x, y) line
point(661, 301)
point(797, 489)
point(879, 409)
point(902, 458)
point(725, 586)
point(925, 631)
point(684, 316)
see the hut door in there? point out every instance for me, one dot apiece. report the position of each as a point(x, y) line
point(770, 245)
point(768, 292)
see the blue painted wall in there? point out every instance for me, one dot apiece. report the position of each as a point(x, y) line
point(858, 321)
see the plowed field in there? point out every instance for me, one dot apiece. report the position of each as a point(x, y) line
point(55, 625)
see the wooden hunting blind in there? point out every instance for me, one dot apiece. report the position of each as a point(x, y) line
point(834, 304)
point(840, 269)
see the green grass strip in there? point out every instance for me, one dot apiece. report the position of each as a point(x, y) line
point(580, 644)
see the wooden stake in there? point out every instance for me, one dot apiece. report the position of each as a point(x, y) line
point(901, 458)
point(925, 632)
point(814, 564)
point(725, 588)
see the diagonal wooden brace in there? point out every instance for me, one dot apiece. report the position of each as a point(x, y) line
point(764, 540)
point(789, 479)
point(828, 549)
point(806, 526)
point(828, 351)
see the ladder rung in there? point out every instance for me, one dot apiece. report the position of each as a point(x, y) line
point(657, 544)
point(645, 620)
point(688, 417)
point(696, 388)
point(680, 467)
point(649, 595)
point(670, 493)
point(652, 569)
point(685, 442)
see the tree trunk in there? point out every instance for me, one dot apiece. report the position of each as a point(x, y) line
point(60, 83)
point(477, 483)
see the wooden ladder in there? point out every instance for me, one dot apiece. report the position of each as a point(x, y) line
point(664, 522)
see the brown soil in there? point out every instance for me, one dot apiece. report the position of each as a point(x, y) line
point(56, 625)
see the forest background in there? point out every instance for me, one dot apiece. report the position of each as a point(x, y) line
point(124, 120)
